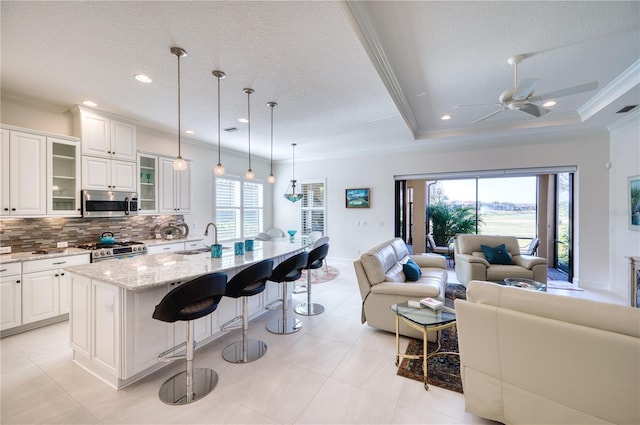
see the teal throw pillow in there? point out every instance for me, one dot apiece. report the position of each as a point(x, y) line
point(497, 255)
point(411, 270)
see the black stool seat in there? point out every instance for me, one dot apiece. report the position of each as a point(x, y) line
point(314, 261)
point(188, 302)
point(247, 282)
point(288, 270)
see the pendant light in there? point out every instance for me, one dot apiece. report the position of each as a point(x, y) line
point(293, 196)
point(179, 163)
point(271, 179)
point(249, 175)
point(219, 169)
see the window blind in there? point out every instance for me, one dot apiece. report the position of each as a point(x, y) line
point(312, 212)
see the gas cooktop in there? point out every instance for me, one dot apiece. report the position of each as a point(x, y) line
point(121, 249)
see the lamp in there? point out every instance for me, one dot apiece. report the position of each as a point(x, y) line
point(219, 169)
point(271, 179)
point(179, 163)
point(293, 196)
point(249, 175)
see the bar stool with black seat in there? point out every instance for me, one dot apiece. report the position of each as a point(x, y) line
point(289, 270)
point(247, 282)
point(314, 261)
point(188, 302)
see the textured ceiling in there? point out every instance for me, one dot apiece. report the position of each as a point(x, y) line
point(347, 77)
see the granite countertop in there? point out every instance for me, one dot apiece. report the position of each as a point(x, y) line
point(16, 257)
point(148, 271)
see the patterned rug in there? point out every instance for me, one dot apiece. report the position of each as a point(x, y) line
point(444, 370)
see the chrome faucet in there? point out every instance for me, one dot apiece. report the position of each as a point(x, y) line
point(215, 232)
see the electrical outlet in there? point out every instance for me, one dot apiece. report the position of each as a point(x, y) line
point(5, 250)
point(62, 245)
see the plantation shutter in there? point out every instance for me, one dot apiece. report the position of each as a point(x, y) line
point(228, 208)
point(313, 208)
point(252, 208)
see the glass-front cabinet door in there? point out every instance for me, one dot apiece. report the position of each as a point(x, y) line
point(63, 183)
point(148, 187)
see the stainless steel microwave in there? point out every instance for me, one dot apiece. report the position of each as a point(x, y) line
point(109, 203)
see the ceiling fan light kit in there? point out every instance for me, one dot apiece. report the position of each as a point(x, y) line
point(521, 96)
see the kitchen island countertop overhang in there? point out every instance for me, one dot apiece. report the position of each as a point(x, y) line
point(149, 271)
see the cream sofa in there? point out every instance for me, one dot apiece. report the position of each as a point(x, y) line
point(532, 357)
point(382, 283)
point(471, 263)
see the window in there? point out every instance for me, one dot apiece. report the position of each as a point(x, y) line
point(312, 213)
point(239, 208)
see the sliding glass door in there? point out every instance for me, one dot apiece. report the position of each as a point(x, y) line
point(563, 224)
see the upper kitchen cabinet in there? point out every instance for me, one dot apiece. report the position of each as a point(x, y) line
point(105, 136)
point(148, 184)
point(63, 177)
point(24, 173)
point(108, 174)
point(174, 188)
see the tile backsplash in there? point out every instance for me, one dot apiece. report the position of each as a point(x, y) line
point(30, 234)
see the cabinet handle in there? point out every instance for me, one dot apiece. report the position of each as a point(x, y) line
point(56, 275)
point(59, 262)
point(61, 274)
point(18, 281)
point(6, 209)
point(3, 270)
point(13, 209)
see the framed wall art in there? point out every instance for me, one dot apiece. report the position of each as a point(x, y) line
point(357, 198)
point(634, 203)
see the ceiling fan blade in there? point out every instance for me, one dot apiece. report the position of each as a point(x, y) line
point(524, 88)
point(533, 109)
point(487, 116)
point(566, 92)
point(476, 105)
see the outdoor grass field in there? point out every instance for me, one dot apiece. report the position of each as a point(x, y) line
point(512, 223)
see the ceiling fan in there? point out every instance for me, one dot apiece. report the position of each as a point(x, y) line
point(521, 96)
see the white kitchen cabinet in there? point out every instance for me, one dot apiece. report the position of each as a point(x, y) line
point(194, 244)
point(174, 188)
point(165, 248)
point(24, 179)
point(108, 174)
point(105, 347)
point(10, 295)
point(63, 177)
point(81, 313)
point(45, 287)
point(148, 184)
point(106, 136)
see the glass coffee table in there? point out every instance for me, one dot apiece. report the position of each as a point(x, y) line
point(425, 320)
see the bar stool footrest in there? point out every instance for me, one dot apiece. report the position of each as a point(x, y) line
point(235, 323)
point(275, 304)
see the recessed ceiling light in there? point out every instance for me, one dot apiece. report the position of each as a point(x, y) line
point(189, 131)
point(549, 103)
point(445, 117)
point(89, 103)
point(143, 78)
point(243, 120)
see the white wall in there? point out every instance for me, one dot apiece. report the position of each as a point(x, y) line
point(588, 150)
point(625, 162)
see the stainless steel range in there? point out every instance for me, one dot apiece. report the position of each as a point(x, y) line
point(117, 250)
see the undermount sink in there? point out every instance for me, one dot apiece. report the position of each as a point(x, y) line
point(200, 250)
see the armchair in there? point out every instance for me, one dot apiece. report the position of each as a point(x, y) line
point(471, 263)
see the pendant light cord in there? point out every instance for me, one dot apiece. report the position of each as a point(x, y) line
point(271, 169)
point(218, 119)
point(249, 123)
point(179, 128)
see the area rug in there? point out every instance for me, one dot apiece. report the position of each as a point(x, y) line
point(320, 275)
point(444, 370)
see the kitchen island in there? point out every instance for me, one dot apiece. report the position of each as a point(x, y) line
point(113, 335)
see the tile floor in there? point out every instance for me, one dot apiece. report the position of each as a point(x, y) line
point(334, 371)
